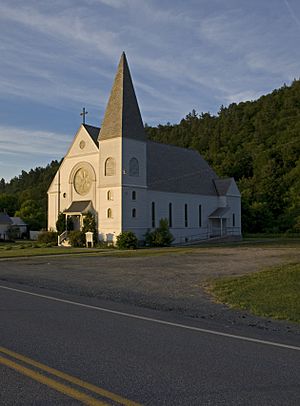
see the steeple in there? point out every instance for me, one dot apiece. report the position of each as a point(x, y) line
point(122, 116)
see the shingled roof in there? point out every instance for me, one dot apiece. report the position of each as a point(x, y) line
point(179, 170)
point(5, 219)
point(81, 206)
point(122, 117)
point(222, 185)
point(93, 132)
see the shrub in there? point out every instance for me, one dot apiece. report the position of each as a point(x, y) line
point(77, 238)
point(161, 236)
point(104, 244)
point(127, 240)
point(48, 237)
point(89, 224)
point(61, 223)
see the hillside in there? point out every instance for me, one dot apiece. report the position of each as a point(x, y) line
point(258, 143)
point(26, 195)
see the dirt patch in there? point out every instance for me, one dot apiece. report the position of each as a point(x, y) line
point(173, 282)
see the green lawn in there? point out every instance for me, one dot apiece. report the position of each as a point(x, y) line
point(271, 293)
point(31, 249)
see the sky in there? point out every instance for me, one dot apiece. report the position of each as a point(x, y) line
point(59, 56)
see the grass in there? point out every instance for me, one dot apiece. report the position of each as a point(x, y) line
point(273, 293)
point(31, 248)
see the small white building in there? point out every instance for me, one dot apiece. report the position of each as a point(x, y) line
point(130, 182)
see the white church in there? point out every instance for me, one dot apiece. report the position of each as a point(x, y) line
point(129, 182)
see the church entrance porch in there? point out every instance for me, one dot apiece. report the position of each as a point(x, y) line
point(76, 212)
point(218, 222)
point(76, 221)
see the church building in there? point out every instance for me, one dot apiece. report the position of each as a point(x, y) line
point(129, 182)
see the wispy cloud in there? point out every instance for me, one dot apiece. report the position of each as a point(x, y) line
point(292, 13)
point(21, 142)
point(183, 55)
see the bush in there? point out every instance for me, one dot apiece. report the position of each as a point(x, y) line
point(61, 223)
point(127, 240)
point(161, 236)
point(48, 237)
point(77, 238)
point(89, 224)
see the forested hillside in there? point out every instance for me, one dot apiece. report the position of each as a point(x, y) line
point(26, 195)
point(258, 143)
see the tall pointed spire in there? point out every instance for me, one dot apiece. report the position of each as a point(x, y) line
point(122, 116)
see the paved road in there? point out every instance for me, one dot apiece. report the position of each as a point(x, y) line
point(134, 359)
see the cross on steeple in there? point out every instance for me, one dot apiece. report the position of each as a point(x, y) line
point(83, 114)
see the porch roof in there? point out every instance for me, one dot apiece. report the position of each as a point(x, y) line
point(219, 213)
point(79, 207)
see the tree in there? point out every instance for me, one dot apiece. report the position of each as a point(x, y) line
point(127, 240)
point(63, 225)
point(32, 214)
point(89, 224)
point(161, 236)
point(2, 185)
point(8, 203)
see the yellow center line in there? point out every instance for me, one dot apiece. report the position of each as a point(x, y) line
point(66, 390)
point(86, 385)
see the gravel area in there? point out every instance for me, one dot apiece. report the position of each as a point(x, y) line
point(171, 282)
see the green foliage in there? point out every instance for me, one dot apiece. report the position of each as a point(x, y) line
point(257, 143)
point(161, 236)
point(48, 237)
point(31, 213)
point(77, 238)
point(89, 224)
point(127, 240)
point(8, 203)
point(28, 186)
point(61, 223)
point(13, 232)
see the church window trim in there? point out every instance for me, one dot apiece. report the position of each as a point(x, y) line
point(110, 167)
point(134, 169)
point(109, 213)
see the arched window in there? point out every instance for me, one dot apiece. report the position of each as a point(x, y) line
point(133, 195)
point(109, 213)
point(133, 212)
point(134, 167)
point(109, 195)
point(110, 167)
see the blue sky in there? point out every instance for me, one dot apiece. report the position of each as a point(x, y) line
point(60, 55)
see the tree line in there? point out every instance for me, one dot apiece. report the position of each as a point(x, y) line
point(256, 142)
point(25, 195)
